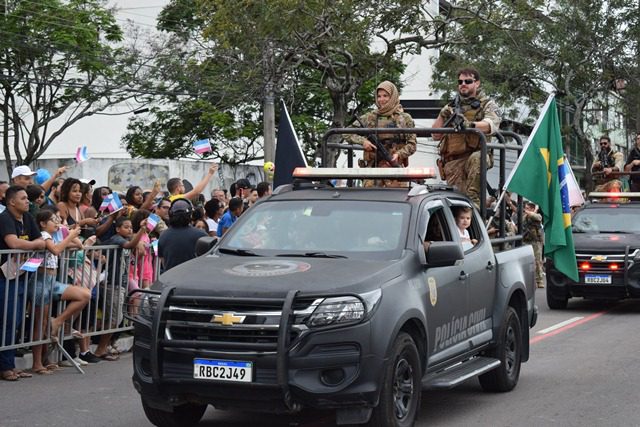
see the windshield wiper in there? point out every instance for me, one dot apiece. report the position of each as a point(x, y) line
point(616, 232)
point(241, 252)
point(313, 255)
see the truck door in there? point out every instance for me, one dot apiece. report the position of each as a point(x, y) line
point(446, 298)
point(480, 268)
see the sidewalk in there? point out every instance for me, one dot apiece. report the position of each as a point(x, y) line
point(124, 344)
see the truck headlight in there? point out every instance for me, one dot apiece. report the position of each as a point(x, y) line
point(148, 305)
point(345, 309)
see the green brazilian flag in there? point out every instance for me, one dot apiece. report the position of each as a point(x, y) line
point(540, 176)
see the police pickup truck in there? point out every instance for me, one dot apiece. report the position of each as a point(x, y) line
point(606, 237)
point(339, 298)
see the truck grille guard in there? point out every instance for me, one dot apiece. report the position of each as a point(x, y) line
point(162, 319)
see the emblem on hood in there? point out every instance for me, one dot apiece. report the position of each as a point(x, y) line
point(268, 268)
point(598, 258)
point(227, 319)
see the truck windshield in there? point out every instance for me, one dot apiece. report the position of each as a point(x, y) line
point(606, 221)
point(320, 226)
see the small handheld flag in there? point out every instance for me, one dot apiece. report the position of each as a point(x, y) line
point(202, 146)
point(154, 245)
point(111, 203)
point(152, 221)
point(32, 264)
point(81, 154)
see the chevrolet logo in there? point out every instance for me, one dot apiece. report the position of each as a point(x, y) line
point(598, 258)
point(227, 319)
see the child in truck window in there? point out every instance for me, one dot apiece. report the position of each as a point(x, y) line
point(463, 221)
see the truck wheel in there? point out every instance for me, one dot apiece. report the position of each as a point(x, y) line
point(401, 388)
point(184, 415)
point(509, 352)
point(556, 303)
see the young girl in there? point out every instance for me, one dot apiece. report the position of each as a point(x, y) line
point(141, 269)
point(77, 298)
point(463, 221)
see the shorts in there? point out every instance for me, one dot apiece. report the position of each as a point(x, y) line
point(42, 287)
point(111, 304)
point(39, 289)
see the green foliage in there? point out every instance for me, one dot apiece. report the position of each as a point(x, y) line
point(60, 62)
point(526, 49)
point(318, 56)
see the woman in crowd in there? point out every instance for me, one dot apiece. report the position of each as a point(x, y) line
point(69, 205)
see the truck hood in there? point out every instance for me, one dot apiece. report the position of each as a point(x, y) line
point(267, 277)
point(605, 242)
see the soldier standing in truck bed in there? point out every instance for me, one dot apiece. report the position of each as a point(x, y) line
point(459, 162)
point(532, 234)
point(389, 114)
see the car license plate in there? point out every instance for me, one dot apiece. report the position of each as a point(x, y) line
point(222, 370)
point(597, 279)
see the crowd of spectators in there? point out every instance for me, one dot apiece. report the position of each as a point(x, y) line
point(52, 213)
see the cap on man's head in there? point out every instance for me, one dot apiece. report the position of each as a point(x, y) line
point(180, 205)
point(243, 183)
point(22, 170)
point(88, 181)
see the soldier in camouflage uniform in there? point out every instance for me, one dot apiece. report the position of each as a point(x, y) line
point(532, 235)
point(389, 114)
point(608, 161)
point(459, 162)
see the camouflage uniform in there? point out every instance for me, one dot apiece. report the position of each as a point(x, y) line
point(460, 153)
point(616, 160)
point(403, 144)
point(532, 235)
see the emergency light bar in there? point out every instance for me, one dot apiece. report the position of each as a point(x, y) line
point(613, 195)
point(364, 173)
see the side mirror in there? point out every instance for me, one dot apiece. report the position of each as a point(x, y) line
point(204, 244)
point(444, 254)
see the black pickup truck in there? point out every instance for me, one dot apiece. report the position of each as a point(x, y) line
point(346, 299)
point(606, 236)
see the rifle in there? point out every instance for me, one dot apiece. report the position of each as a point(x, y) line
point(456, 121)
point(381, 151)
point(603, 158)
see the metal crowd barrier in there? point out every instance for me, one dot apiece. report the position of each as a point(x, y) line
point(26, 301)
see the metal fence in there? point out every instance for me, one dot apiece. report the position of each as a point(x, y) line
point(87, 290)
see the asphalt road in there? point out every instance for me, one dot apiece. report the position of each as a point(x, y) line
point(585, 373)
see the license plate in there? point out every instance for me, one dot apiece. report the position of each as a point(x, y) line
point(597, 279)
point(222, 370)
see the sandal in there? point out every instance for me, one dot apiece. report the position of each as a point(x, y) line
point(9, 375)
point(108, 357)
point(53, 367)
point(42, 371)
point(22, 374)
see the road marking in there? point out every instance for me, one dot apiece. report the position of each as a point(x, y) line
point(560, 325)
point(567, 327)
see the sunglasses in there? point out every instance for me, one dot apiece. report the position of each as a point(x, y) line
point(466, 81)
point(604, 144)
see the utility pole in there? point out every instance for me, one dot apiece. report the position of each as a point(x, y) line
point(269, 111)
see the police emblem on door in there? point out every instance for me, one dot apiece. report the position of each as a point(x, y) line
point(433, 291)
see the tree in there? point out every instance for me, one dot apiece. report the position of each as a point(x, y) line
point(60, 62)
point(323, 58)
point(574, 47)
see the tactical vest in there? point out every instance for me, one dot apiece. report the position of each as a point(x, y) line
point(457, 145)
point(392, 142)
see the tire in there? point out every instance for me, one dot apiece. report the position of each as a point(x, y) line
point(509, 351)
point(402, 386)
point(182, 416)
point(554, 302)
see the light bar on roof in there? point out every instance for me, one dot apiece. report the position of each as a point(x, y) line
point(364, 173)
point(614, 195)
